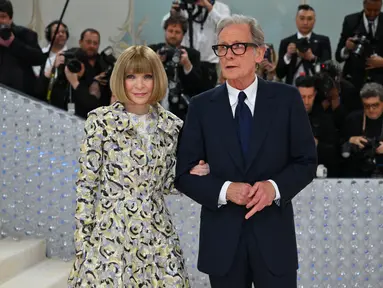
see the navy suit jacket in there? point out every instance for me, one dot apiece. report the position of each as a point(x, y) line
point(282, 148)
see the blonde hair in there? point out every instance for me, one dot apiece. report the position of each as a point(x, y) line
point(138, 60)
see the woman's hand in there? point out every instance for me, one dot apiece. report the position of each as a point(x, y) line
point(201, 169)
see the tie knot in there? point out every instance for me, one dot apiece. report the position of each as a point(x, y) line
point(241, 97)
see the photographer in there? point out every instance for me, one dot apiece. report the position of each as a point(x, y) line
point(299, 53)
point(363, 147)
point(19, 51)
point(325, 134)
point(361, 45)
point(77, 82)
point(58, 45)
point(337, 96)
point(203, 17)
point(266, 69)
point(182, 66)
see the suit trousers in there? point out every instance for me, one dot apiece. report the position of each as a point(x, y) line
point(250, 268)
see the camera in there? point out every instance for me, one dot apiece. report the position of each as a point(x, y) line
point(5, 31)
point(302, 45)
point(183, 4)
point(367, 154)
point(107, 56)
point(363, 48)
point(173, 55)
point(73, 60)
point(267, 55)
point(328, 76)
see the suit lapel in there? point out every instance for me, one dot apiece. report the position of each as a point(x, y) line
point(264, 112)
point(379, 29)
point(226, 125)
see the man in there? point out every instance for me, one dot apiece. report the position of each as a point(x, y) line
point(203, 17)
point(19, 51)
point(365, 65)
point(81, 91)
point(299, 53)
point(186, 68)
point(257, 139)
point(58, 44)
point(323, 126)
point(364, 135)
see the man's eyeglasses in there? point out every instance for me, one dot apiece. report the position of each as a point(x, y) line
point(237, 48)
point(371, 106)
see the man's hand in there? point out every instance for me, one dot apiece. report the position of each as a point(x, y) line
point(358, 140)
point(374, 62)
point(262, 194)
point(100, 78)
point(205, 3)
point(267, 66)
point(72, 78)
point(350, 45)
point(184, 60)
point(175, 9)
point(162, 56)
point(308, 55)
point(379, 150)
point(291, 49)
point(7, 43)
point(316, 141)
point(238, 193)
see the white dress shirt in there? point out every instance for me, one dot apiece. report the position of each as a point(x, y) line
point(344, 53)
point(251, 93)
point(287, 59)
point(204, 38)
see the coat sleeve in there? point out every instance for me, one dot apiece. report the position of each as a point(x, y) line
point(88, 180)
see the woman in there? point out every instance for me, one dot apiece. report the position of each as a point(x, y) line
point(266, 69)
point(128, 239)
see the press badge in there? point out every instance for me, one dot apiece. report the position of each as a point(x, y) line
point(71, 108)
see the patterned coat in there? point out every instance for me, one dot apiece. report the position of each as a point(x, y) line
point(124, 234)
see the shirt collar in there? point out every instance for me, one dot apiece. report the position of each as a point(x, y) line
point(365, 20)
point(46, 49)
point(250, 91)
point(308, 36)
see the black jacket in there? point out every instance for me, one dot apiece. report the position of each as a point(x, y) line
point(354, 67)
point(16, 61)
point(320, 46)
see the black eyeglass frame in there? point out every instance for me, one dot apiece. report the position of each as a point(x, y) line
point(245, 44)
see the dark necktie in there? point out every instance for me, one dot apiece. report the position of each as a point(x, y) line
point(244, 120)
point(370, 34)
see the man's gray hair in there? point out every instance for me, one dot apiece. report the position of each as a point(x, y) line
point(257, 35)
point(372, 89)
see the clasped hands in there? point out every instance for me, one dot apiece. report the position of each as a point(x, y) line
point(256, 197)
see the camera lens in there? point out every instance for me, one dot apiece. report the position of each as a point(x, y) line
point(74, 66)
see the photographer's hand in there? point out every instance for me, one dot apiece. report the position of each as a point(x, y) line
point(350, 45)
point(308, 55)
point(101, 78)
point(185, 61)
point(7, 43)
point(162, 56)
point(291, 49)
point(72, 78)
point(358, 140)
point(379, 150)
point(206, 4)
point(374, 62)
point(175, 9)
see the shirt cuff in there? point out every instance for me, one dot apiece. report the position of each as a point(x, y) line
point(287, 59)
point(344, 53)
point(277, 193)
point(188, 71)
point(222, 194)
